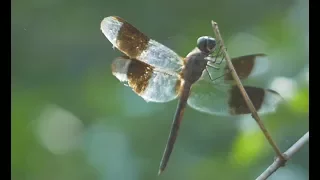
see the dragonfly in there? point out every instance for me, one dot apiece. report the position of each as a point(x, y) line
point(158, 74)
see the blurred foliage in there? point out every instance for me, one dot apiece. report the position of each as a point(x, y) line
point(71, 119)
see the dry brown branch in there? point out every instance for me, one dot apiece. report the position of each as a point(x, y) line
point(244, 94)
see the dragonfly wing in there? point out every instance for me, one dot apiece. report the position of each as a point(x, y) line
point(226, 99)
point(137, 45)
point(147, 81)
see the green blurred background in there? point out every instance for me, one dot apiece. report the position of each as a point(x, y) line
point(73, 120)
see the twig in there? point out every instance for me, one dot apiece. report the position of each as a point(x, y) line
point(288, 154)
point(244, 93)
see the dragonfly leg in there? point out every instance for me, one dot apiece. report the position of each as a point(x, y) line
point(221, 58)
point(212, 66)
point(229, 71)
point(209, 74)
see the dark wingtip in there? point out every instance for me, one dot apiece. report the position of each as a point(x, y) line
point(275, 92)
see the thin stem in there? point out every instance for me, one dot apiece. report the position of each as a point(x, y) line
point(244, 93)
point(288, 154)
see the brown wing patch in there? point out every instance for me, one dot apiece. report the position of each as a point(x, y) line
point(237, 103)
point(130, 40)
point(139, 74)
point(243, 66)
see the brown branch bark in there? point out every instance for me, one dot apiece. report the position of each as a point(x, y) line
point(245, 95)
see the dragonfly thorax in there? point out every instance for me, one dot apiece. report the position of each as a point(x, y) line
point(195, 65)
